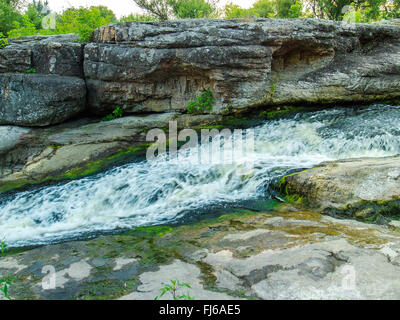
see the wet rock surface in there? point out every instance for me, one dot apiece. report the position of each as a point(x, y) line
point(78, 148)
point(248, 256)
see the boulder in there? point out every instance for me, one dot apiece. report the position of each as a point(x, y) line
point(40, 100)
point(350, 185)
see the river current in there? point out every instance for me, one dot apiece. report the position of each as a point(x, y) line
point(165, 190)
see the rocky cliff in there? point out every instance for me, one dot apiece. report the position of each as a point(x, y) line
point(54, 89)
point(160, 67)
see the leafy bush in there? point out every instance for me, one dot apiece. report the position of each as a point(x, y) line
point(81, 21)
point(233, 11)
point(3, 41)
point(203, 102)
point(117, 113)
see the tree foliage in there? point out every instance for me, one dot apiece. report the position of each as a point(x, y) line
point(9, 14)
point(159, 8)
point(348, 10)
point(30, 17)
point(191, 9)
point(181, 9)
point(83, 21)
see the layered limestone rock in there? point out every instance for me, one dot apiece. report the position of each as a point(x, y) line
point(161, 66)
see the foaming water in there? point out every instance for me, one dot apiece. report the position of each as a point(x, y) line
point(163, 190)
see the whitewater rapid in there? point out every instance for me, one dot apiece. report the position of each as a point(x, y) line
point(164, 190)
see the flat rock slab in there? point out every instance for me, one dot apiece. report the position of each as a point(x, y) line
point(301, 255)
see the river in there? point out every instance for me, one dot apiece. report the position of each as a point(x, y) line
point(166, 190)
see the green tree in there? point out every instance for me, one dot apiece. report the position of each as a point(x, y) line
point(9, 14)
point(159, 8)
point(191, 9)
point(25, 28)
point(283, 8)
point(36, 11)
point(83, 21)
point(233, 11)
point(296, 10)
point(264, 9)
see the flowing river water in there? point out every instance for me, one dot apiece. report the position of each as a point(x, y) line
point(167, 190)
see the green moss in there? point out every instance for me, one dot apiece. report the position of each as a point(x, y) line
point(377, 212)
point(158, 231)
point(218, 127)
point(395, 102)
point(295, 198)
point(283, 186)
point(15, 251)
point(93, 167)
point(106, 290)
point(207, 275)
point(30, 70)
point(280, 112)
point(239, 121)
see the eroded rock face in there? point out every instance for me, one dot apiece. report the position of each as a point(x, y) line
point(347, 183)
point(161, 66)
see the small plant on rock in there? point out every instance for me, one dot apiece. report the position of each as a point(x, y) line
point(30, 70)
point(203, 102)
point(173, 289)
point(4, 285)
point(117, 113)
point(3, 41)
point(3, 247)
